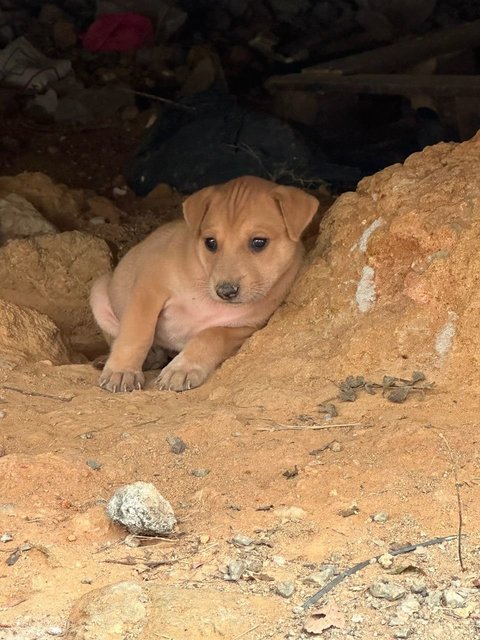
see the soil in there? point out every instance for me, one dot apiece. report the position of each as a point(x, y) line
point(67, 445)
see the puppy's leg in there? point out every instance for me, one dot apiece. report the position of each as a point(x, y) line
point(123, 369)
point(201, 356)
point(102, 308)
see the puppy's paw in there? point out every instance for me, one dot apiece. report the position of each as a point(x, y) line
point(121, 381)
point(181, 375)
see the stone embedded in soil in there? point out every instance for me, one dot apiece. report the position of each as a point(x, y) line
point(386, 560)
point(176, 444)
point(381, 517)
point(452, 599)
point(141, 509)
point(29, 336)
point(285, 589)
point(116, 611)
point(402, 632)
point(321, 577)
point(386, 590)
point(6, 537)
point(94, 464)
point(19, 218)
point(200, 473)
point(242, 540)
point(236, 569)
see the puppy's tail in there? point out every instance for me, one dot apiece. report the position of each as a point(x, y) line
point(101, 307)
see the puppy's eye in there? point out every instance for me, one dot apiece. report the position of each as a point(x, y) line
point(211, 244)
point(258, 244)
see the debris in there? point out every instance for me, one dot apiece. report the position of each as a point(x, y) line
point(352, 511)
point(321, 577)
point(6, 537)
point(386, 590)
point(24, 67)
point(141, 509)
point(401, 632)
point(176, 444)
point(385, 560)
point(452, 599)
point(285, 589)
point(242, 540)
point(323, 618)
point(290, 473)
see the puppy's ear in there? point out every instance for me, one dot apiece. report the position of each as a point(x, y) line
point(195, 207)
point(297, 207)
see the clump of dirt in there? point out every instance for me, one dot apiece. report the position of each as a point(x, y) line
point(260, 487)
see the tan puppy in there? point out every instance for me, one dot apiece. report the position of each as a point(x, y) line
point(202, 285)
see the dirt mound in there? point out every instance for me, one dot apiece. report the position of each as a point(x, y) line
point(391, 286)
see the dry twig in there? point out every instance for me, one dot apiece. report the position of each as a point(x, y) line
point(37, 394)
point(459, 501)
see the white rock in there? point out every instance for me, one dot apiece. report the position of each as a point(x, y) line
point(142, 509)
point(18, 217)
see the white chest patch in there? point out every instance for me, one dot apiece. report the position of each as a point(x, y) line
point(183, 317)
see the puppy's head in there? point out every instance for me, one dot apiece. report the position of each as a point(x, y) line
point(247, 235)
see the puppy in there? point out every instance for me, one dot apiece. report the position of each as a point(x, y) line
point(200, 286)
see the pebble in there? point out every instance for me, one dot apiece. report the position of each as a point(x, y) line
point(94, 464)
point(55, 631)
point(236, 569)
point(321, 577)
point(298, 610)
point(6, 537)
point(418, 586)
point(97, 221)
point(2, 414)
point(386, 590)
point(335, 446)
point(380, 517)
point(72, 537)
point(357, 618)
point(176, 444)
point(86, 581)
point(386, 560)
point(141, 509)
point(200, 473)
point(285, 589)
point(279, 561)
point(452, 599)
point(402, 632)
point(119, 191)
point(410, 605)
point(242, 540)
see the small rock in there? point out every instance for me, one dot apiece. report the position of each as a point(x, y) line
point(94, 464)
point(298, 610)
point(279, 561)
point(335, 446)
point(386, 560)
point(409, 605)
point(118, 192)
point(2, 414)
point(55, 631)
point(6, 537)
point(285, 589)
point(381, 516)
point(352, 511)
point(434, 600)
point(290, 514)
point(176, 444)
point(72, 537)
point(418, 586)
point(86, 581)
point(204, 538)
point(200, 473)
point(452, 599)
point(236, 568)
point(97, 221)
point(142, 509)
point(18, 217)
point(242, 540)
point(386, 590)
point(401, 632)
point(255, 565)
point(421, 551)
point(357, 618)
point(321, 577)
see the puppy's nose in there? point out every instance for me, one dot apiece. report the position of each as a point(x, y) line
point(227, 290)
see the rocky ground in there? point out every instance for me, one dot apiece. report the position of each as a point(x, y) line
point(275, 495)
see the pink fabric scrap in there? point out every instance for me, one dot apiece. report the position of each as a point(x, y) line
point(119, 32)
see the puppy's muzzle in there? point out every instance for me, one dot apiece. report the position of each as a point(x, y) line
point(227, 291)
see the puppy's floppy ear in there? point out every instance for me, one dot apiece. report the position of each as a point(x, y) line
point(297, 207)
point(195, 207)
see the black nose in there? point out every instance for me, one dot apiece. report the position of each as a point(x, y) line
point(227, 290)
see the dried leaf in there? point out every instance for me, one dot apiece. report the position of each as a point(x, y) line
point(418, 376)
point(329, 409)
point(324, 618)
point(399, 395)
point(388, 381)
point(354, 382)
point(347, 394)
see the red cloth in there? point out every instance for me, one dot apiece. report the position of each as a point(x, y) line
point(119, 32)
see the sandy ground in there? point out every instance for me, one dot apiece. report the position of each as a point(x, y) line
point(304, 496)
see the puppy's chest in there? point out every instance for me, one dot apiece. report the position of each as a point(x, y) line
point(183, 317)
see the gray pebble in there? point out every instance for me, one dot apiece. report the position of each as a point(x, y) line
point(200, 473)
point(242, 540)
point(409, 605)
point(6, 537)
point(401, 632)
point(142, 509)
point(452, 599)
point(298, 611)
point(2, 414)
point(357, 618)
point(321, 577)
point(93, 464)
point(236, 569)
point(418, 586)
point(434, 600)
point(381, 516)
point(285, 589)
point(176, 444)
point(387, 590)
point(55, 631)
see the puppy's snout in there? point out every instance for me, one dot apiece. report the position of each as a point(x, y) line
point(227, 290)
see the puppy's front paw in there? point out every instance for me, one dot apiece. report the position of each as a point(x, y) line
point(121, 381)
point(181, 375)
